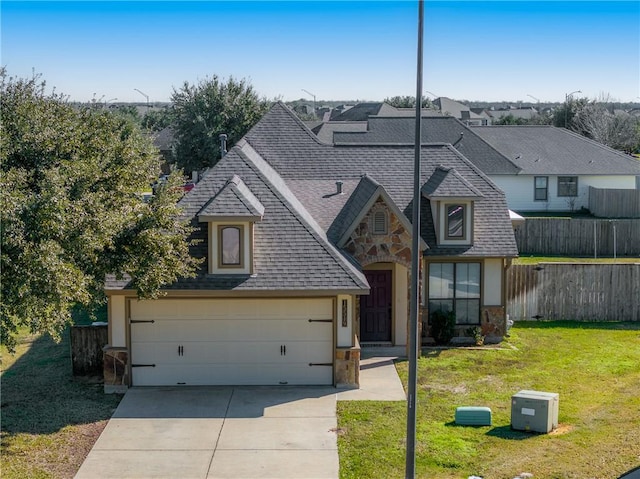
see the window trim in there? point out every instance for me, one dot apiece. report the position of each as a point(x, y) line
point(221, 263)
point(545, 189)
point(463, 236)
point(568, 195)
point(454, 297)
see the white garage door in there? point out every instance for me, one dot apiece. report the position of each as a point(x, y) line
point(231, 341)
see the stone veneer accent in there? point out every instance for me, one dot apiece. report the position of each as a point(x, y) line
point(369, 248)
point(116, 375)
point(493, 321)
point(347, 367)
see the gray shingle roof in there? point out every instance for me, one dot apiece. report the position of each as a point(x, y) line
point(287, 145)
point(448, 183)
point(401, 130)
point(233, 200)
point(547, 150)
point(293, 176)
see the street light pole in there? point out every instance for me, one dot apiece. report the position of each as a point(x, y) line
point(566, 105)
point(314, 101)
point(144, 95)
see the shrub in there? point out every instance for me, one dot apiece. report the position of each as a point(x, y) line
point(443, 325)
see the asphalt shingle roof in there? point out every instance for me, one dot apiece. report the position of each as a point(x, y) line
point(401, 130)
point(448, 183)
point(547, 150)
point(293, 176)
point(234, 199)
point(298, 155)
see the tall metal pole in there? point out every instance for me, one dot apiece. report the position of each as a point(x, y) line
point(410, 468)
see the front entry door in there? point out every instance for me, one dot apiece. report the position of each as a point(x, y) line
point(375, 309)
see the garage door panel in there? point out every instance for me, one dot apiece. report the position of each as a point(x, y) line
point(206, 350)
point(224, 330)
point(232, 309)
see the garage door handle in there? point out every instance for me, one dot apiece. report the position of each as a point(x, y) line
point(143, 365)
point(134, 321)
point(321, 320)
point(320, 364)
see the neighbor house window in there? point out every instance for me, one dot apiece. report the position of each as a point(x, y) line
point(455, 287)
point(567, 186)
point(541, 185)
point(230, 246)
point(380, 222)
point(455, 222)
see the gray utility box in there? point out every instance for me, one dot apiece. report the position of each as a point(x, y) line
point(534, 411)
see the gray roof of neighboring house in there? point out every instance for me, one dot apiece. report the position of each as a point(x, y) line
point(362, 111)
point(293, 176)
point(234, 199)
point(454, 108)
point(547, 150)
point(446, 129)
point(164, 138)
point(325, 131)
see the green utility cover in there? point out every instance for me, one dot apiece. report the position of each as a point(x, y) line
point(473, 416)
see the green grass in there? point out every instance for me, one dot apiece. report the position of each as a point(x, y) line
point(50, 420)
point(593, 366)
point(563, 259)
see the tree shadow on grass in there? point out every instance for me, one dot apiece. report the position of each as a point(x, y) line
point(41, 396)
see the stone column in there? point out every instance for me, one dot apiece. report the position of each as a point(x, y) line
point(116, 371)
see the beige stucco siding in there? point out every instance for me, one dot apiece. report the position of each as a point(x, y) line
point(492, 279)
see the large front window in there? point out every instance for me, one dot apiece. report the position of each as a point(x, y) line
point(455, 287)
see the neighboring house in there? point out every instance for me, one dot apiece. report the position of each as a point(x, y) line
point(163, 140)
point(306, 251)
point(522, 113)
point(557, 167)
point(462, 112)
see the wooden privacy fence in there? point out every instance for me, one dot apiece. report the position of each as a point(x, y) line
point(614, 203)
point(577, 291)
point(86, 349)
point(579, 237)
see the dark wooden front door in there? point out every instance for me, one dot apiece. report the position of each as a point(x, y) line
point(375, 309)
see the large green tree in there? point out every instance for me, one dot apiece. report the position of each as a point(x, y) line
point(72, 210)
point(205, 110)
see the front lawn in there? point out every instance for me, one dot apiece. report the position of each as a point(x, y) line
point(50, 420)
point(595, 367)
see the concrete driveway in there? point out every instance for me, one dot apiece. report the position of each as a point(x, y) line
point(231, 432)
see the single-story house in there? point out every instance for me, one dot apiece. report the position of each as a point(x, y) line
point(557, 167)
point(306, 252)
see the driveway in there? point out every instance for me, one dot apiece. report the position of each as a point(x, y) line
point(231, 432)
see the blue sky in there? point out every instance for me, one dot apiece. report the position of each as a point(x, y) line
point(338, 50)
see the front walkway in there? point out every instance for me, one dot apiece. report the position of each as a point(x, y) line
point(231, 432)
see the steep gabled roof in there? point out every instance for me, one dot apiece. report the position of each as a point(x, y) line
point(448, 183)
point(300, 158)
point(362, 199)
point(235, 199)
point(547, 150)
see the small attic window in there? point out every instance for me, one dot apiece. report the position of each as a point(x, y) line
point(230, 246)
point(380, 222)
point(455, 222)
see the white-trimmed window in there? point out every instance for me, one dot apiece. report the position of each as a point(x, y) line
point(567, 186)
point(454, 222)
point(541, 188)
point(455, 287)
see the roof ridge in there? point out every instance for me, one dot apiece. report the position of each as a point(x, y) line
point(251, 159)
